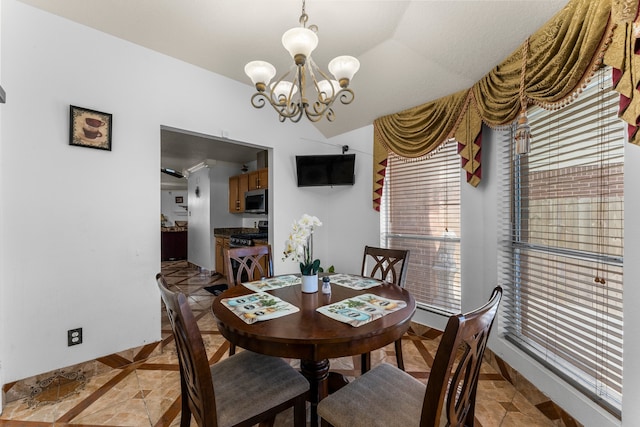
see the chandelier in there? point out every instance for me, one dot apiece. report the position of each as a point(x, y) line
point(288, 95)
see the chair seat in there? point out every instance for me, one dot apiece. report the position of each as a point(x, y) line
point(248, 384)
point(384, 396)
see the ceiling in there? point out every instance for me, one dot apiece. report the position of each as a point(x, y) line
point(181, 150)
point(410, 52)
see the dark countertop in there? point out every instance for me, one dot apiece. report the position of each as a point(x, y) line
point(173, 229)
point(228, 231)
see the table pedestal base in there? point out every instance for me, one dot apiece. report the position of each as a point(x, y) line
point(317, 372)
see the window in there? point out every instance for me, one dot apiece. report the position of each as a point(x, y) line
point(420, 211)
point(561, 251)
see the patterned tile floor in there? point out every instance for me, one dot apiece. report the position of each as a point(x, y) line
point(141, 387)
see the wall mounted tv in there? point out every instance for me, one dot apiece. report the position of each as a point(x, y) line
point(325, 170)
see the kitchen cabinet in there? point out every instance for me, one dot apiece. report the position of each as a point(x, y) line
point(238, 185)
point(259, 179)
point(263, 260)
point(221, 244)
point(173, 245)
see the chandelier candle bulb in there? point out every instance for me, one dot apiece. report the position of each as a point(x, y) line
point(344, 68)
point(260, 72)
point(300, 42)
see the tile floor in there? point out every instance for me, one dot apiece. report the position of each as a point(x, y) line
point(141, 387)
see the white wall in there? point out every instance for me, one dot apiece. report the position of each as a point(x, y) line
point(173, 211)
point(2, 331)
point(349, 220)
point(76, 261)
point(631, 367)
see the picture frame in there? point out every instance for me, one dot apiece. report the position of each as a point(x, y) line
point(179, 199)
point(89, 128)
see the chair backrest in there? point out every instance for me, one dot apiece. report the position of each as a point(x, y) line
point(386, 264)
point(195, 377)
point(453, 381)
point(251, 262)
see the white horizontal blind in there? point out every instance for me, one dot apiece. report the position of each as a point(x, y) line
point(420, 211)
point(562, 242)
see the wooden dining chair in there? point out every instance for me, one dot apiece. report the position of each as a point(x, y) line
point(252, 263)
point(242, 390)
point(387, 396)
point(390, 265)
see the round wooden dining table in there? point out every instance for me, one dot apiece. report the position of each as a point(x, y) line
point(311, 336)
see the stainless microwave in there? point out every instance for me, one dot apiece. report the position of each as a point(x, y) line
point(256, 201)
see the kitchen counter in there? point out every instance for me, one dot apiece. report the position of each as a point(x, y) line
point(228, 231)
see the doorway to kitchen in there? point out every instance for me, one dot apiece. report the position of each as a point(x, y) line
point(196, 175)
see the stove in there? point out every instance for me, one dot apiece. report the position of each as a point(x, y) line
point(247, 239)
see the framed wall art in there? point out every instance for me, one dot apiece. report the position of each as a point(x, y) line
point(179, 199)
point(89, 128)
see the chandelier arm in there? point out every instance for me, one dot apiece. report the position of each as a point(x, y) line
point(319, 109)
point(290, 111)
point(329, 99)
point(293, 113)
point(259, 99)
point(346, 96)
point(270, 89)
point(316, 115)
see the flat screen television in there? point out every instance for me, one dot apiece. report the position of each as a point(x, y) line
point(325, 170)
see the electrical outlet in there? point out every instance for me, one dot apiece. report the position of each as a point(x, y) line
point(74, 337)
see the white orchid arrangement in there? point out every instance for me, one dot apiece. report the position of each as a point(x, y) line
point(299, 246)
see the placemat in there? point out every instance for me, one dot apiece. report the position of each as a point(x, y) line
point(272, 283)
point(360, 310)
point(354, 282)
point(260, 306)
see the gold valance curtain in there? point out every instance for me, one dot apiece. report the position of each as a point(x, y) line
point(549, 70)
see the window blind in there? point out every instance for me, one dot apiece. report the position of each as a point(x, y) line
point(561, 247)
point(420, 211)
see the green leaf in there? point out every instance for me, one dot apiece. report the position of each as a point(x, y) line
point(310, 269)
point(354, 303)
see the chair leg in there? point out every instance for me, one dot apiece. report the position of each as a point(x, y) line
point(300, 412)
point(232, 349)
point(185, 411)
point(365, 362)
point(399, 359)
